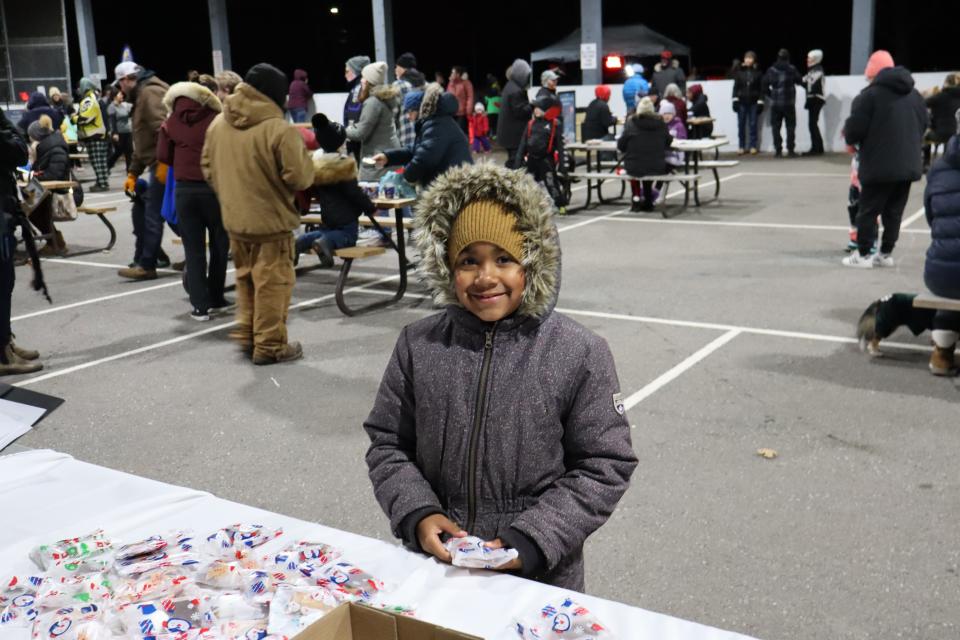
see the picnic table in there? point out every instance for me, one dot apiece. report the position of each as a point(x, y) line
point(349, 254)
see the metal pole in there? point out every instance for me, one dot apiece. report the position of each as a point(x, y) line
point(88, 39)
point(6, 50)
point(861, 35)
point(591, 39)
point(219, 35)
point(383, 33)
point(66, 45)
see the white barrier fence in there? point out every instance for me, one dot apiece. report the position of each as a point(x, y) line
point(840, 90)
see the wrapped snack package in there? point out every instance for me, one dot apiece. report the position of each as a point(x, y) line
point(564, 620)
point(292, 556)
point(259, 586)
point(295, 608)
point(471, 552)
point(155, 585)
point(66, 591)
point(21, 610)
point(176, 551)
point(186, 616)
point(18, 586)
point(71, 550)
point(236, 541)
point(71, 623)
point(224, 574)
point(347, 582)
point(146, 547)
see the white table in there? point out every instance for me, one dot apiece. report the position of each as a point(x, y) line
point(49, 496)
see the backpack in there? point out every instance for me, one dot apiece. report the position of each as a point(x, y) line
point(540, 143)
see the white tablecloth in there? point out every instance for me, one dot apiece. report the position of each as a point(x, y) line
point(47, 496)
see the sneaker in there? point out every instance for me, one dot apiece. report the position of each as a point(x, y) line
point(163, 262)
point(753, 151)
point(178, 266)
point(635, 204)
point(561, 211)
point(792, 154)
point(98, 189)
point(740, 152)
point(942, 362)
point(223, 306)
point(291, 351)
point(883, 260)
point(200, 316)
point(778, 154)
point(368, 238)
point(138, 273)
point(858, 261)
point(324, 251)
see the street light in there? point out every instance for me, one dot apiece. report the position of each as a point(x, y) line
point(334, 10)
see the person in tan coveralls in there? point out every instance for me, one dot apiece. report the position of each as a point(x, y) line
point(255, 161)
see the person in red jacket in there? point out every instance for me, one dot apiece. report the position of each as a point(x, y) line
point(479, 130)
point(462, 89)
point(192, 108)
point(299, 96)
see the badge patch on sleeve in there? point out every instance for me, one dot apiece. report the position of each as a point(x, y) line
point(618, 403)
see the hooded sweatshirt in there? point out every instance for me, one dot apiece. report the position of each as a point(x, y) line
point(37, 106)
point(941, 201)
point(255, 162)
point(887, 122)
point(148, 114)
point(376, 130)
point(300, 92)
point(943, 111)
point(335, 187)
point(440, 143)
point(780, 84)
point(515, 107)
point(180, 141)
point(512, 429)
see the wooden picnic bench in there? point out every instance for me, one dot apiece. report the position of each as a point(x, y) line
point(688, 180)
point(928, 300)
point(99, 212)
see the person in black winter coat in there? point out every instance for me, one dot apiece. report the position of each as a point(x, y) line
point(38, 106)
point(813, 82)
point(941, 271)
point(598, 119)
point(748, 101)
point(887, 121)
point(943, 107)
point(780, 86)
point(541, 148)
point(440, 142)
point(665, 74)
point(644, 144)
point(515, 110)
point(699, 109)
point(341, 199)
point(52, 162)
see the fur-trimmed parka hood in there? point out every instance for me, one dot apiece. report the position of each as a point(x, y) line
point(387, 94)
point(431, 97)
point(331, 168)
point(196, 92)
point(451, 192)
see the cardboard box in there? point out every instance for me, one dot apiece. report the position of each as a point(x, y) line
point(351, 621)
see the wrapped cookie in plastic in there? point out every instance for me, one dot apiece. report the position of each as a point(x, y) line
point(471, 552)
point(562, 620)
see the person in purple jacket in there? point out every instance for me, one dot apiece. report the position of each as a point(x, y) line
point(299, 96)
point(498, 417)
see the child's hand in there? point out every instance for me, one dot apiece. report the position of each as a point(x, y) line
point(513, 565)
point(429, 531)
point(380, 159)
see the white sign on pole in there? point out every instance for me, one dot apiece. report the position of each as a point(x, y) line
point(102, 65)
point(588, 55)
point(217, 61)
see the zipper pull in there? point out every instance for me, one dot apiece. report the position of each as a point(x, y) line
point(488, 344)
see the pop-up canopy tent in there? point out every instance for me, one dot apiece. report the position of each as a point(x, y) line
point(630, 40)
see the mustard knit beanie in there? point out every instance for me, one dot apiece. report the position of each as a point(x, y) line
point(485, 221)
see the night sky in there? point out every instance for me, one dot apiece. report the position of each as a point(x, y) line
point(487, 36)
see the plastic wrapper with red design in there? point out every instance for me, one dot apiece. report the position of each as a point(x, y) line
point(67, 591)
point(181, 618)
point(292, 556)
point(236, 541)
point(259, 586)
point(224, 574)
point(295, 608)
point(471, 552)
point(346, 582)
point(158, 584)
point(73, 551)
point(178, 552)
point(154, 544)
point(71, 623)
point(19, 607)
point(562, 620)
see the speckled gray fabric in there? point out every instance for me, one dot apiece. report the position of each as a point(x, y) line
point(554, 450)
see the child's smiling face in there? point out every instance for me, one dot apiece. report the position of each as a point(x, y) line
point(489, 281)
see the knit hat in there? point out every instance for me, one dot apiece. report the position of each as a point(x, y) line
point(330, 135)
point(815, 56)
point(479, 108)
point(602, 91)
point(666, 54)
point(645, 106)
point(695, 90)
point(412, 101)
point(485, 221)
point(357, 63)
point(269, 81)
point(53, 92)
point(40, 128)
point(546, 102)
point(407, 60)
point(879, 61)
point(86, 85)
point(667, 107)
point(783, 55)
point(375, 73)
point(548, 76)
point(635, 69)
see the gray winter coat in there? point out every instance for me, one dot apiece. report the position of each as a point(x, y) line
point(515, 107)
point(375, 130)
point(513, 429)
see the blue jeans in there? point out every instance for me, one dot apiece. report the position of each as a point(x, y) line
point(338, 237)
point(747, 117)
point(298, 115)
point(148, 223)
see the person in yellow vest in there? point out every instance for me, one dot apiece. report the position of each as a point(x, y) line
point(92, 133)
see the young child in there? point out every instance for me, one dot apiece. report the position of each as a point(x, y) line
point(645, 144)
point(479, 127)
point(676, 128)
point(853, 198)
point(342, 201)
point(498, 417)
point(541, 148)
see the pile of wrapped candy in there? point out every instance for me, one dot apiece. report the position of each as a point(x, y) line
point(179, 587)
point(562, 620)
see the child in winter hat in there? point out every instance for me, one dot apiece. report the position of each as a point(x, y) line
point(524, 401)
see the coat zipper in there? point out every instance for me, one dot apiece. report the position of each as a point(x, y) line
point(477, 425)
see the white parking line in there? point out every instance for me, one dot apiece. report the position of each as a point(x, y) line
point(678, 370)
point(754, 225)
point(913, 218)
point(101, 265)
point(772, 174)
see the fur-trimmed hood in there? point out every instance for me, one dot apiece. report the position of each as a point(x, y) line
point(196, 92)
point(331, 168)
point(387, 94)
point(431, 95)
point(517, 191)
